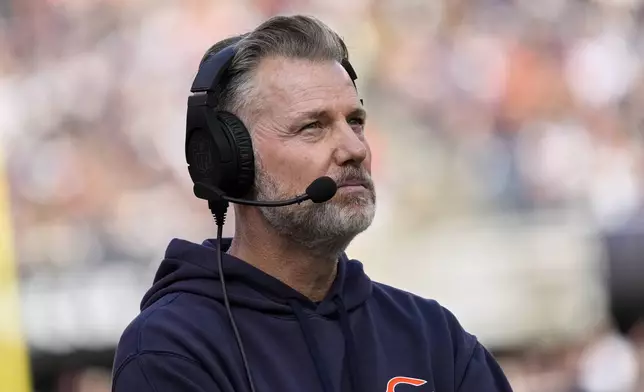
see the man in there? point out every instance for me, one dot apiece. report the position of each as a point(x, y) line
point(310, 319)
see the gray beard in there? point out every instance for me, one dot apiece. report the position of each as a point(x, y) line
point(324, 229)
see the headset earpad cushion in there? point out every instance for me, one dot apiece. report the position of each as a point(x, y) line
point(243, 148)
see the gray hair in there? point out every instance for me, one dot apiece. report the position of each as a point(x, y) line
point(301, 37)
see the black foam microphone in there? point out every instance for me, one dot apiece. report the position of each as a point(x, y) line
point(320, 190)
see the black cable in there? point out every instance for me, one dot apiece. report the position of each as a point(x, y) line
point(219, 213)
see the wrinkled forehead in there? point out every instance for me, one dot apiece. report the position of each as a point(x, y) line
point(290, 86)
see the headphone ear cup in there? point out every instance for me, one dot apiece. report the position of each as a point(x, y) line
point(242, 146)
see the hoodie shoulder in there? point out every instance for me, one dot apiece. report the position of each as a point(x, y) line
point(168, 326)
point(427, 313)
point(143, 330)
point(475, 369)
point(150, 356)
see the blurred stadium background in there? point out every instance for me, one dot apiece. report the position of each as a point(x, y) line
point(508, 159)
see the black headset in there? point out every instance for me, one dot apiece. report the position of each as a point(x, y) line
point(219, 149)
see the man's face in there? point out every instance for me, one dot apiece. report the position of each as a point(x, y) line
point(311, 124)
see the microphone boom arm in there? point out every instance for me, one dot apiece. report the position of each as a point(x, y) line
point(319, 191)
point(260, 203)
point(212, 194)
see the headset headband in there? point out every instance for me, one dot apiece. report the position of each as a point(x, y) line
point(212, 70)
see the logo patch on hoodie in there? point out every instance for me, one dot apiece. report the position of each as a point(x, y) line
point(391, 385)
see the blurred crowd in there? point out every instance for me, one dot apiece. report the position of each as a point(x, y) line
point(478, 109)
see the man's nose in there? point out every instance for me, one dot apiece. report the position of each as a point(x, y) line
point(351, 147)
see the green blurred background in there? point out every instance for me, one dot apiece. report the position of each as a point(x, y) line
point(509, 167)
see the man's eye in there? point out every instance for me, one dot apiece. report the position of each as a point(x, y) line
point(356, 121)
point(313, 125)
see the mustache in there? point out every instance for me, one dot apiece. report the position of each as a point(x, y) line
point(354, 175)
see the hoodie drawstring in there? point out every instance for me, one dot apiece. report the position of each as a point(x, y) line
point(350, 346)
point(305, 325)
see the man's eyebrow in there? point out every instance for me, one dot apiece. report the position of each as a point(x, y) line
point(311, 114)
point(357, 112)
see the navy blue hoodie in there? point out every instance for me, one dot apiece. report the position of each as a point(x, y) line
point(363, 337)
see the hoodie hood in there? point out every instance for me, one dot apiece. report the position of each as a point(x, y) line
point(192, 268)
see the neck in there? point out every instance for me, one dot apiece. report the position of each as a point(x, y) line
point(311, 272)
